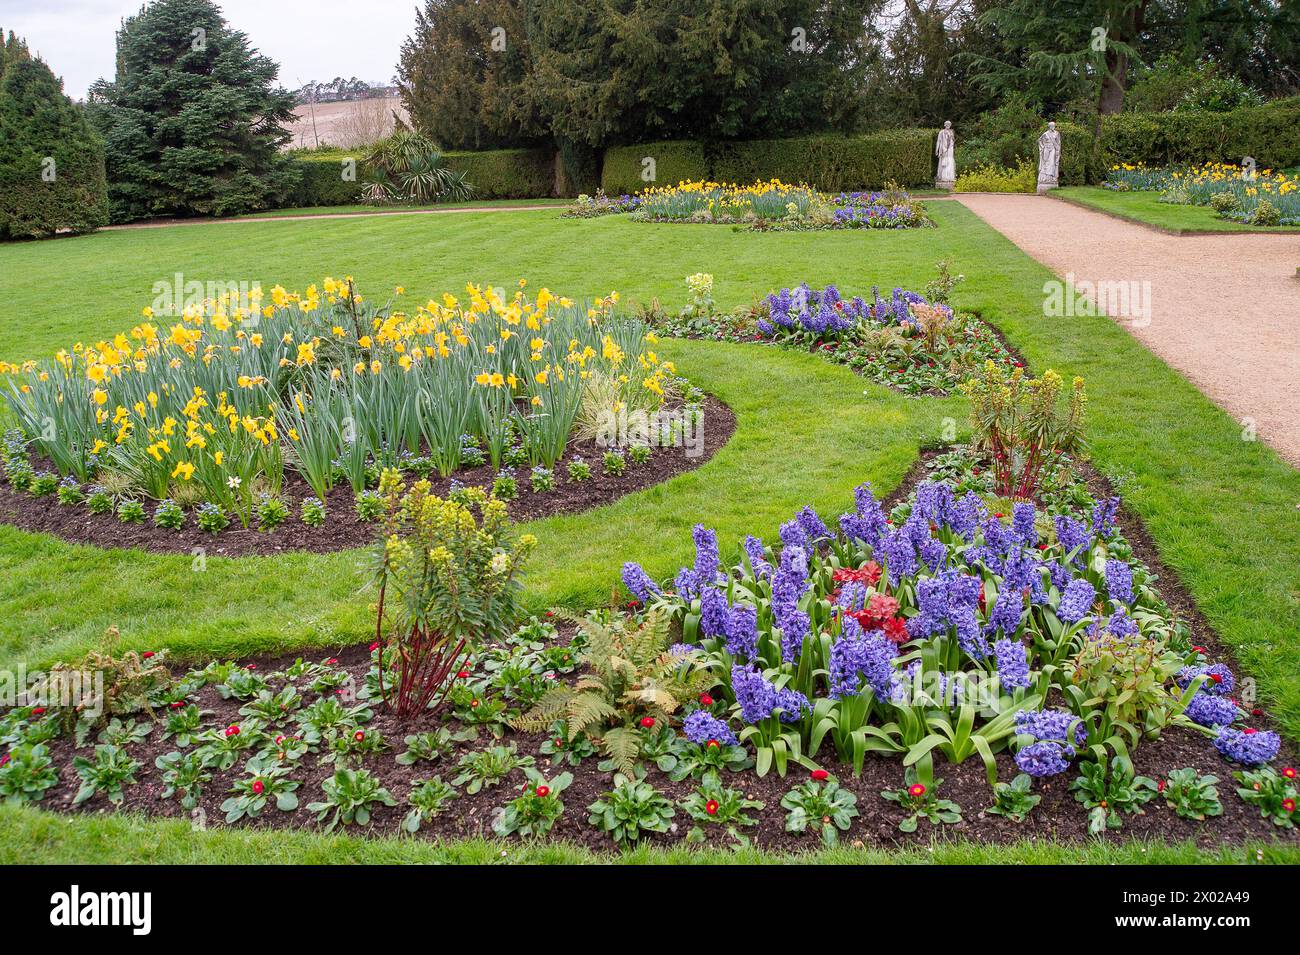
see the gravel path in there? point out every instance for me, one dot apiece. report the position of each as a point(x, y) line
point(1224, 310)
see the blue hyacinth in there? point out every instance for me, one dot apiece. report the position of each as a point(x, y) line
point(1248, 747)
point(702, 726)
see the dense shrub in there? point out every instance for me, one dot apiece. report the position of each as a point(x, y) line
point(51, 161)
point(1269, 133)
point(830, 163)
point(507, 173)
point(193, 122)
point(1023, 178)
point(674, 162)
point(321, 179)
point(1008, 134)
point(493, 174)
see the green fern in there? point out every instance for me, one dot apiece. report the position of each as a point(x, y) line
point(630, 674)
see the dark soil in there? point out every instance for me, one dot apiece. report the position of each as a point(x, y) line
point(342, 528)
point(1057, 817)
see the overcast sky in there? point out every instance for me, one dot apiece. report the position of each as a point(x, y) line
point(310, 39)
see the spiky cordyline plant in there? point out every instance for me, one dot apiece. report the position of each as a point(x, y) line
point(630, 674)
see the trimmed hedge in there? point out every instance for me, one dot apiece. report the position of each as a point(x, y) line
point(494, 174)
point(1269, 133)
point(674, 162)
point(507, 173)
point(322, 182)
point(1081, 161)
point(830, 163)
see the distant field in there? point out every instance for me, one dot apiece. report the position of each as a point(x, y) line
point(347, 124)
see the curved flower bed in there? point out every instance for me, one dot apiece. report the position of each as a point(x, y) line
point(904, 341)
point(201, 423)
point(942, 632)
point(826, 658)
point(764, 205)
point(1263, 198)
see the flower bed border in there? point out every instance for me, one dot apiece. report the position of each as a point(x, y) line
point(342, 528)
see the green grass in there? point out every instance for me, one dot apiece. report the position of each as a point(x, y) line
point(1221, 510)
point(55, 597)
point(1147, 209)
point(309, 211)
point(35, 836)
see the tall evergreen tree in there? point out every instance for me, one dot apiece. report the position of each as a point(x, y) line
point(194, 119)
point(51, 160)
point(463, 75)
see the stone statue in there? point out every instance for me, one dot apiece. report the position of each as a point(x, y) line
point(1049, 159)
point(945, 148)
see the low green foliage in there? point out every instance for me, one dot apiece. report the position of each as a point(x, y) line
point(428, 798)
point(1109, 795)
point(108, 772)
point(536, 810)
point(820, 807)
point(631, 809)
point(1273, 794)
point(1014, 800)
point(921, 801)
point(713, 804)
point(26, 773)
point(350, 794)
point(488, 767)
point(1191, 795)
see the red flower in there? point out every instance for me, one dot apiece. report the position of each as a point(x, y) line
point(916, 790)
point(1216, 677)
point(279, 739)
point(332, 660)
point(4, 759)
point(711, 807)
point(868, 573)
point(258, 786)
point(1250, 731)
point(1257, 712)
point(543, 791)
point(647, 721)
point(374, 646)
point(896, 630)
point(706, 700)
point(712, 744)
point(633, 604)
point(178, 704)
point(819, 774)
point(463, 675)
point(559, 743)
point(232, 730)
point(1289, 772)
point(38, 710)
point(146, 655)
point(1160, 786)
point(359, 735)
point(550, 613)
point(251, 666)
point(473, 704)
point(1198, 649)
point(1288, 805)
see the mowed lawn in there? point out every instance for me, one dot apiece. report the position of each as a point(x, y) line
point(1223, 511)
point(1147, 209)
